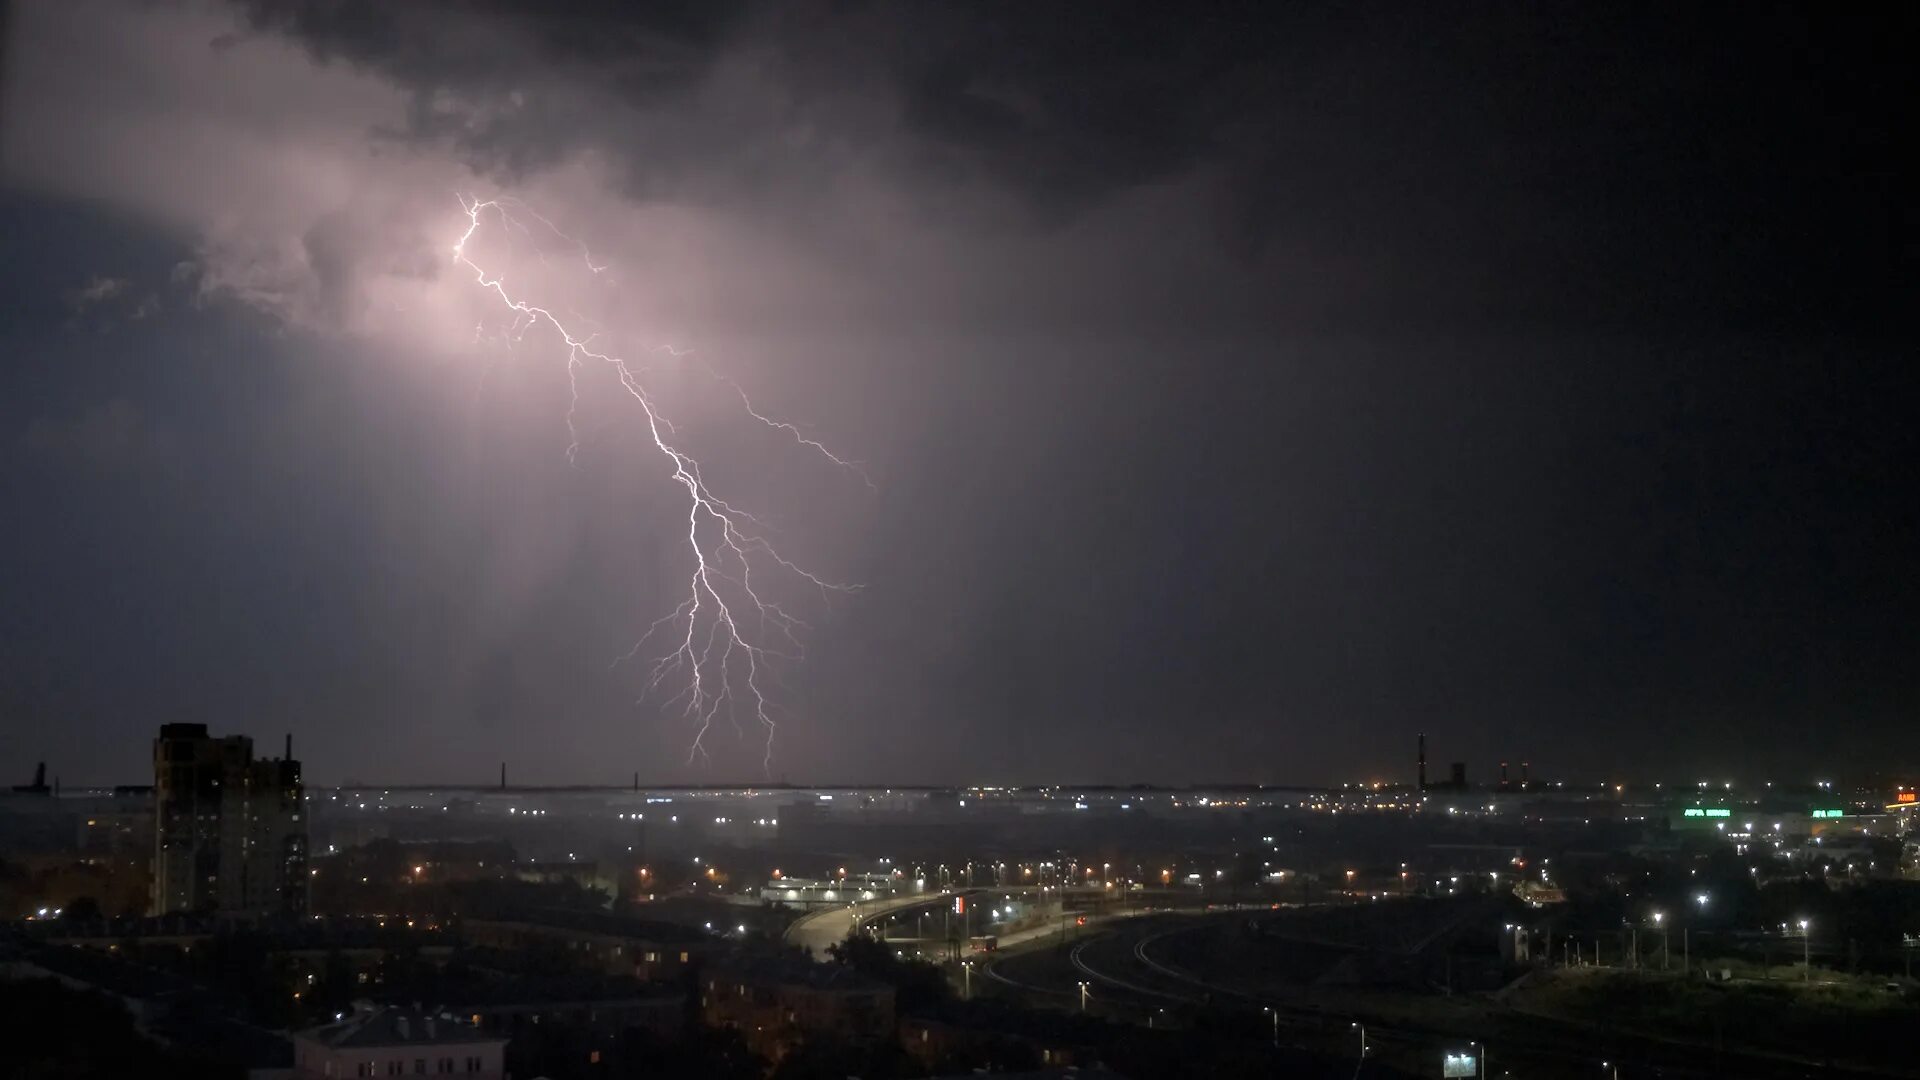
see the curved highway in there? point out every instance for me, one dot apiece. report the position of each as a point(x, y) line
point(817, 931)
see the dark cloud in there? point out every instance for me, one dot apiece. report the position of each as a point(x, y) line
point(1060, 105)
point(1564, 163)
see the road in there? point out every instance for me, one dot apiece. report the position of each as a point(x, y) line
point(1138, 969)
point(831, 926)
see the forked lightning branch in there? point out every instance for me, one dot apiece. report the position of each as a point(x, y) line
point(721, 639)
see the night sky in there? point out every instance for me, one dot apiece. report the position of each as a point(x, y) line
point(1242, 392)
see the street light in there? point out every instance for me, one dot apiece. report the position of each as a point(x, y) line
point(1083, 997)
point(966, 974)
point(1362, 1028)
point(1806, 947)
point(1276, 1022)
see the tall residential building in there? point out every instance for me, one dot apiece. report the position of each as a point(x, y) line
point(230, 831)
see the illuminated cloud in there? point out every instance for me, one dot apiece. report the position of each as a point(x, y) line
point(97, 290)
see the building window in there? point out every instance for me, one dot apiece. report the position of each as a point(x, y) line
point(683, 957)
point(420, 1066)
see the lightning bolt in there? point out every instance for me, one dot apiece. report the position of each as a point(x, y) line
point(725, 634)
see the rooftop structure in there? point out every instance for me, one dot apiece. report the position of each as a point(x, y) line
point(376, 1041)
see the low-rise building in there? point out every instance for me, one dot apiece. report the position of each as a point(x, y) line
point(775, 1002)
point(374, 1041)
point(611, 944)
point(595, 1003)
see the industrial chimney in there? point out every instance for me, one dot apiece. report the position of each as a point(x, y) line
point(1423, 762)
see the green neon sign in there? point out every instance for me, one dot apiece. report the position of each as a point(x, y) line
point(1713, 811)
point(1829, 813)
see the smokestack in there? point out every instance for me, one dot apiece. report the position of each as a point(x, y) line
point(503, 776)
point(1423, 761)
point(289, 755)
point(1503, 774)
point(1523, 774)
point(40, 775)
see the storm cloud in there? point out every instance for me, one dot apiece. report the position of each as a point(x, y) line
point(1244, 390)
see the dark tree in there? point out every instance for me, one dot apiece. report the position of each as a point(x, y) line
point(917, 985)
